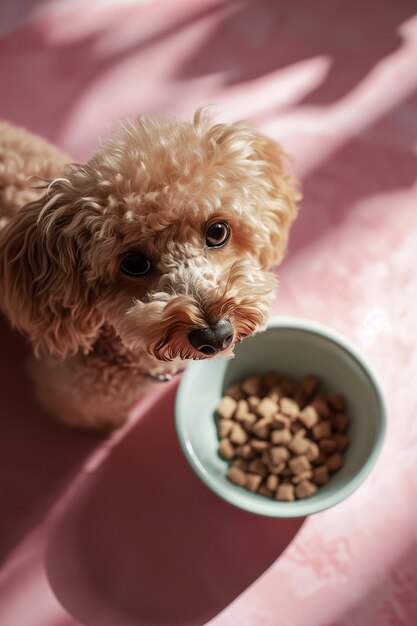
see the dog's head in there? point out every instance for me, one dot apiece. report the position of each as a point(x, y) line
point(166, 234)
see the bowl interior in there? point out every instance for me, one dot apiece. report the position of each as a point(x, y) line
point(296, 349)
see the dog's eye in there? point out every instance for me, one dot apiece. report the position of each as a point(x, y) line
point(217, 234)
point(135, 264)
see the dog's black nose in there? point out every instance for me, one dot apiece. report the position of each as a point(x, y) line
point(212, 339)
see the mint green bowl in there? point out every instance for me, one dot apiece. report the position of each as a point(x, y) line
point(296, 347)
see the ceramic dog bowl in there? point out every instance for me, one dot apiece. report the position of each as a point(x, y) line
point(296, 347)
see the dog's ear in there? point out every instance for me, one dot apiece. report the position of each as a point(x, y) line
point(42, 287)
point(280, 209)
point(273, 188)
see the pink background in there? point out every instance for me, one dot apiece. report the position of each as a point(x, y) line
point(102, 532)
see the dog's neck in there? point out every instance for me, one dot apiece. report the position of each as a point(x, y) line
point(108, 347)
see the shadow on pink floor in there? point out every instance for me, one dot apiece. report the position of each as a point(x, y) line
point(145, 542)
point(241, 46)
point(363, 167)
point(142, 541)
point(38, 457)
point(274, 35)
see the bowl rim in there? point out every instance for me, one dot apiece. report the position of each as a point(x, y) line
point(284, 509)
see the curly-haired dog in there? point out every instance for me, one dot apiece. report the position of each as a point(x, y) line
point(155, 251)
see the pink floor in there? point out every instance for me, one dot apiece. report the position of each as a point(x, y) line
point(96, 532)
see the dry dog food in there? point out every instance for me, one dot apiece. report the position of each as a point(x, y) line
point(283, 439)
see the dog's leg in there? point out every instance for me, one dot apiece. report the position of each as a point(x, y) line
point(94, 393)
point(79, 394)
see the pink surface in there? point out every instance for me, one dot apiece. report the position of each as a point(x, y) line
point(93, 532)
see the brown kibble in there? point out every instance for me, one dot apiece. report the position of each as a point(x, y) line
point(321, 475)
point(310, 384)
point(300, 398)
point(313, 451)
point(320, 404)
point(237, 476)
point(319, 460)
point(235, 392)
point(299, 431)
point(248, 422)
point(253, 402)
point(298, 478)
point(242, 410)
point(305, 489)
point(262, 428)
point(336, 402)
point(272, 482)
point(270, 379)
point(264, 491)
point(287, 386)
point(278, 454)
point(260, 445)
point(226, 407)
point(253, 481)
point(273, 468)
point(309, 416)
point(252, 386)
point(267, 408)
point(281, 421)
point(289, 407)
point(334, 462)
point(238, 435)
point(258, 467)
point(246, 451)
point(297, 427)
point(299, 445)
point(226, 450)
point(261, 431)
point(281, 437)
point(327, 445)
point(321, 430)
point(275, 393)
point(285, 492)
point(225, 427)
point(299, 464)
point(342, 442)
point(241, 464)
point(340, 422)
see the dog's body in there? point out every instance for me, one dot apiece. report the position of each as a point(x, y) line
point(141, 259)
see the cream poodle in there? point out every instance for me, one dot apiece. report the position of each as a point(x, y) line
point(154, 252)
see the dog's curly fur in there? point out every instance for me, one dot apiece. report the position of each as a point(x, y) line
point(153, 187)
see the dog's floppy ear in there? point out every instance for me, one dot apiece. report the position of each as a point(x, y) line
point(42, 287)
point(280, 209)
point(273, 188)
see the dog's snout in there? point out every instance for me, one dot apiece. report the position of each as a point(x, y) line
point(212, 339)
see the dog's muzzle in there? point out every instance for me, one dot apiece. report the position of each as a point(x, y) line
point(212, 339)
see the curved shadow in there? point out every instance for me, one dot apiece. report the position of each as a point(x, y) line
point(251, 39)
point(245, 40)
point(381, 160)
point(145, 542)
point(38, 457)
